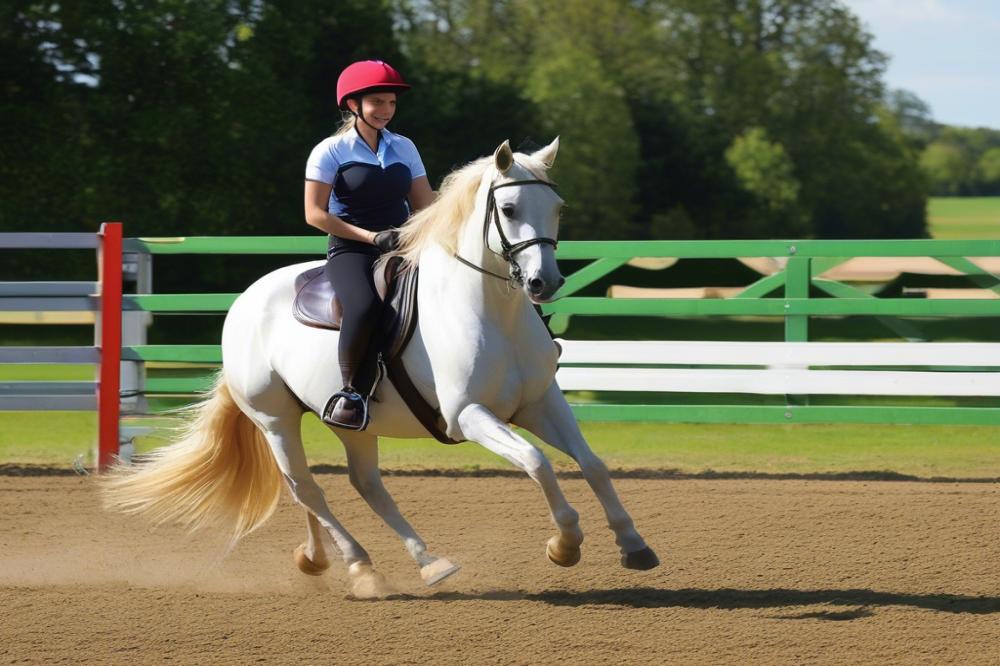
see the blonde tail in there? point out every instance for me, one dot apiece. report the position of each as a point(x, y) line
point(220, 472)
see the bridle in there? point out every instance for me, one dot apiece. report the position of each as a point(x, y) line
point(507, 249)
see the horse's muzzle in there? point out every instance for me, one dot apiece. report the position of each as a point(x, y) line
point(541, 290)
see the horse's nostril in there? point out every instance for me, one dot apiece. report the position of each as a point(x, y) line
point(536, 285)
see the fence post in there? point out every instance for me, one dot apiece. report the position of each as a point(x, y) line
point(797, 281)
point(110, 342)
point(798, 278)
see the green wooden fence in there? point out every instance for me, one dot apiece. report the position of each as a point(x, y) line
point(789, 295)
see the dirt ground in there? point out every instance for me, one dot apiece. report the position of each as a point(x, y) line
point(754, 571)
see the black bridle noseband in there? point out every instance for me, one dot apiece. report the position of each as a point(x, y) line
point(507, 249)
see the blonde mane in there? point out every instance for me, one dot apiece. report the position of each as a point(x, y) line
point(442, 221)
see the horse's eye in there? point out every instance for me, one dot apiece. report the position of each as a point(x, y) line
point(507, 210)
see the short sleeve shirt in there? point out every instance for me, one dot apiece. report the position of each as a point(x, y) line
point(370, 188)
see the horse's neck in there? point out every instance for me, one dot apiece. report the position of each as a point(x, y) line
point(461, 287)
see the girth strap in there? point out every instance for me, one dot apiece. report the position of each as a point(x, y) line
point(429, 417)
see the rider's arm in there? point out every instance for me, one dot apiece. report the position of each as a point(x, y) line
point(317, 215)
point(421, 194)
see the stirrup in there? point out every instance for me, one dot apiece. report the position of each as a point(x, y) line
point(350, 395)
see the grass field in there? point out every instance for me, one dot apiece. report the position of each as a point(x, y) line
point(58, 438)
point(956, 218)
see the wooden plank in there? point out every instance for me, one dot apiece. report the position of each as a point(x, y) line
point(797, 280)
point(49, 355)
point(315, 244)
point(931, 354)
point(49, 304)
point(47, 388)
point(48, 288)
point(47, 241)
point(778, 248)
point(110, 340)
point(173, 353)
point(181, 385)
point(588, 274)
point(182, 302)
point(595, 249)
point(47, 318)
point(903, 329)
point(771, 414)
point(777, 307)
point(34, 403)
point(780, 381)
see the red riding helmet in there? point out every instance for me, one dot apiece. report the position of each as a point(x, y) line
point(368, 76)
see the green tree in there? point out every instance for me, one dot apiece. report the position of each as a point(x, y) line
point(805, 72)
point(599, 151)
point(913, 116)
point(177, 117)
point(988, 171)
point(557, 61)
point(765, 171)
point(947, 167)
point(763, 168)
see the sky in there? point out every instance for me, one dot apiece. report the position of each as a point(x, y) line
point(947, 52)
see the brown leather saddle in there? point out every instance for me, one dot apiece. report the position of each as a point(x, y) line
point(316, 304)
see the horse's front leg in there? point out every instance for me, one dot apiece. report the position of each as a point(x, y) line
point(362, 465)
point(552, 420)
point(480, 425)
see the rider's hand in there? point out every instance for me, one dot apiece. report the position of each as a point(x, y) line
point(387, 240)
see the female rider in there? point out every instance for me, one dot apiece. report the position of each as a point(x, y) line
point(362, 183)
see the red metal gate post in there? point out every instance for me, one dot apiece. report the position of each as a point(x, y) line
point(108, 382)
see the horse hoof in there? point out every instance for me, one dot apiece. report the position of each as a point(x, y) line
point(366, 583)
point(564, 557)
point(306, 565)
point(437, 571)
point(641, 560)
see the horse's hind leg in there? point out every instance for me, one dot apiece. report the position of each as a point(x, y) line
point(552, 420)
point(285, 439)
point(362, 464)
point(310, 557)
point(481, 425)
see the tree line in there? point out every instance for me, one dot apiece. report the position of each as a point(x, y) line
point(963, 161)
point(678, 118)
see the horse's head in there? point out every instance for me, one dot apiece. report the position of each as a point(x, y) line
point(522, 219)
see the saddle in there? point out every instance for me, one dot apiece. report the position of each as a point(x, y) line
point(316, 304)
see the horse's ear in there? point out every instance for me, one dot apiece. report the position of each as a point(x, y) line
point(547, 155)
point(504, 157)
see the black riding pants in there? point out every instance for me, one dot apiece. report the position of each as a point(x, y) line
point(350, 273)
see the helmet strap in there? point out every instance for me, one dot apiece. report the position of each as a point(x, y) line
point(360, 114)
point(362, 117)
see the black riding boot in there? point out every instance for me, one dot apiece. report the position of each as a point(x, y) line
point(348, 407)
point(351, 275)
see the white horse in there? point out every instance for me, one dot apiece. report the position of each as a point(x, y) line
point(480, 354)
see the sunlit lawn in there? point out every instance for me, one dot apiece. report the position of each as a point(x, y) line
point(58, 438)
point(964, 217)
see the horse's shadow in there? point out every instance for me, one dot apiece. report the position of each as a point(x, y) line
point(860, 601)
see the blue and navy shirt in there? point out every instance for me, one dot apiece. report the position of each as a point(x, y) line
point(370, 188)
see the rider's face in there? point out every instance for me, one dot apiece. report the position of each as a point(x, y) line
point(378, 108)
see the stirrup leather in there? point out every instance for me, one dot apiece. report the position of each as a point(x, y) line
point(348, 394)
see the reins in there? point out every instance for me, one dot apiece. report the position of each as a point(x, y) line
point(507, 249)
